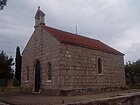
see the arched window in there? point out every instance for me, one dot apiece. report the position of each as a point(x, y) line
point(49, 71)
point(27, 73)
point(100, 66)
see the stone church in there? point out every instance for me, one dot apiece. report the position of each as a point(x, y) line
point(57, 62)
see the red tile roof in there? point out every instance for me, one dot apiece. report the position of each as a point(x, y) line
point(78, 40)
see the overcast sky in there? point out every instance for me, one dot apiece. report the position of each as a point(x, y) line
point(114, 22)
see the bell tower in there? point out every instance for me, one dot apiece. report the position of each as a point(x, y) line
point(39, 18)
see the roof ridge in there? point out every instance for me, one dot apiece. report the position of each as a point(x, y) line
point(79, 40)
point(72, 33)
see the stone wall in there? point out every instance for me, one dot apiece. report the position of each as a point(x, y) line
point(78, 68)
point(74, 68)
point(120, 100)
point(45, 48)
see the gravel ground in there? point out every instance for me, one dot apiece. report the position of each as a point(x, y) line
point(16, 98)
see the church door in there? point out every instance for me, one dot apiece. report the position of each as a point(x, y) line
point(37, 76)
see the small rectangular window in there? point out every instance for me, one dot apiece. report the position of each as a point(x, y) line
point(100, 66)
point(49, 71)
point(27, 73)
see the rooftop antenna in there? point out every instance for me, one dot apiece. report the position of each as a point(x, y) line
point(76, 29)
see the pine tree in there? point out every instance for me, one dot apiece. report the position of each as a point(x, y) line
point(18, 61)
